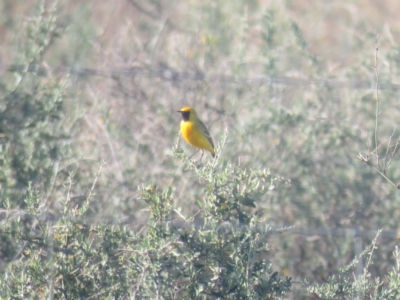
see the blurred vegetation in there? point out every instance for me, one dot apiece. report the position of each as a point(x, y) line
point(98, 198)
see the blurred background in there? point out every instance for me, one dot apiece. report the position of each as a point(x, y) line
point(292, 82)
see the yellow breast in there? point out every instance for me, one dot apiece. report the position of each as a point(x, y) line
point(195, 137)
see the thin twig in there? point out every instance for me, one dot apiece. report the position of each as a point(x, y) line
point(389, 161)
point(384, 176)
point(377, 98)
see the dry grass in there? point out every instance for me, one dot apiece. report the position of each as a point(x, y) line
point(310, 133)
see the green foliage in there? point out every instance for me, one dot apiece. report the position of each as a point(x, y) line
point(33, 109)
point(37, 118)
point(220, 252)
point(295, 104)
point(347, 285)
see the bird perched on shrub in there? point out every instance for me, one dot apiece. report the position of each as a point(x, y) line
point(195, 132)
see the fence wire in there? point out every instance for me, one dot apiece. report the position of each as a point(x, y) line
point(169, 74)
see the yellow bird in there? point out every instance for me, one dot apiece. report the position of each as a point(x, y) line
point(195, 132)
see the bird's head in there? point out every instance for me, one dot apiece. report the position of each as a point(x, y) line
point(187, 112)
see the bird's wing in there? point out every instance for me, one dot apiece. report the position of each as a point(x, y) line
point(204, 130)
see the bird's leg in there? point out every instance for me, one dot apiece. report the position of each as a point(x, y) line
point(202, 153)
point(194, 153)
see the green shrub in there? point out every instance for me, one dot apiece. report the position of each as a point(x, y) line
point(93, 82)
point(221, 252)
